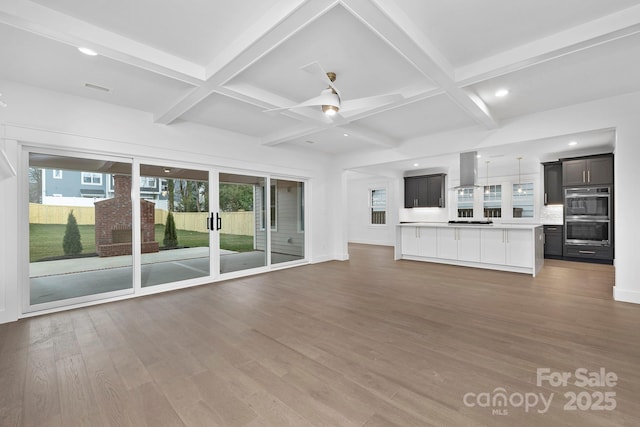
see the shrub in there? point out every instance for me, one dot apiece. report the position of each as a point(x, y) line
point(71, 243)
point(170, 235)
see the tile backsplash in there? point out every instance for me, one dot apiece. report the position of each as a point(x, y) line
point(424, 215)
point(551, 215)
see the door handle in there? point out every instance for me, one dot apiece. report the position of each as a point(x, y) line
point(210, 222)
point(218, 222)
point(583, 176)
point(589, 175)
point(545, 198)
point(587, 252)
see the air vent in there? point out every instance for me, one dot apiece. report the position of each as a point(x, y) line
point(97, 87)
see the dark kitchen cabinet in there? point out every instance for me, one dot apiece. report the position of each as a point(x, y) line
point(553, 239)
point(426, 191)
point(553, 183)
point(596, 170)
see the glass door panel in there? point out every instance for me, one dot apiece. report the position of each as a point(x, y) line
point(174, 206)
point(287, 221)
point(80, 222)
point(243, 235)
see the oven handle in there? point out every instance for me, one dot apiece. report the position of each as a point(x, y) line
point(587, 218)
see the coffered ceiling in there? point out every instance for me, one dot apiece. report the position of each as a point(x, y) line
point(222, 64)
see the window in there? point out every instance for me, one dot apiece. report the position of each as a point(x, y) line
point(378, 206)
point(148, 182)
point(523, 200)
point(91, 178)
point(493, 201)
point(57, 174)
point(465, 203)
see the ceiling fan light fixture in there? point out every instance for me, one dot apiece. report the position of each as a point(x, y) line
point(330, 110)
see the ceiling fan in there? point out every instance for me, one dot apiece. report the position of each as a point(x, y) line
point(330, 99)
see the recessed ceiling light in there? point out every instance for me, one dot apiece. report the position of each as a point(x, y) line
point(478, 156)
point(502, 92)
point(167, 170)
point(573, 143)
point(345, 134)
point(87, 51)
point(415, 165)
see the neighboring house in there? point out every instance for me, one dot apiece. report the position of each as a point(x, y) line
point(77, 188)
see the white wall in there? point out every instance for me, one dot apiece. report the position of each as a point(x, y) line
point(618, 113)
point(46, 119)
point(360, 229)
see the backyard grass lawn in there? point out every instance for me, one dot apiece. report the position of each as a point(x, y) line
point(45, 240)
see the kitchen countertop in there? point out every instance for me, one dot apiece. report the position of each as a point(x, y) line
point(494, 225)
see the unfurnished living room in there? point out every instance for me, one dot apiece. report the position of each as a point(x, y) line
point(319, 213)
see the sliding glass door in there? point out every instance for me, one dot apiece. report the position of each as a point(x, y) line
point(243, 221)
point(287, 217)
point(174, 241)
point(80, 222)
point(103, 227)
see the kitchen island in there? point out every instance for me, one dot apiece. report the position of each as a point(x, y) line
point(510, 247)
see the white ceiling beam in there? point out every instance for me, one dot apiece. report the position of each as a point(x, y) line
point(392, 24)
point(602, 30)
point(258, 43)
point(290, 134)
point(45, 22)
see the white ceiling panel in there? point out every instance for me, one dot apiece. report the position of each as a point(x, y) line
point(195, 30)
point(602, 71)
point(37, 61)
point(466, 31)
point(227, 113)
point(339, 42)
point(436, 114)
point(331, 141)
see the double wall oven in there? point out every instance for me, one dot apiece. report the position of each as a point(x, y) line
point(587, 222)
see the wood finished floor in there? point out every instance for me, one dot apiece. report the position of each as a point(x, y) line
point(368, 342)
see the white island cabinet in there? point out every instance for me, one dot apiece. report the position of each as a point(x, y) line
point(419, 241)
point(510, 247)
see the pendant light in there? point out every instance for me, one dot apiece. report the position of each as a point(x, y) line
point(519, 183)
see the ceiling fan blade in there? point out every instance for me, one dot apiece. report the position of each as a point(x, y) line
point(317, 71)
point(369, 102)
point(326, 98)
point(338, 120)
point(308, 103)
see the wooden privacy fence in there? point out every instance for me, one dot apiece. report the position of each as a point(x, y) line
point(241, 223)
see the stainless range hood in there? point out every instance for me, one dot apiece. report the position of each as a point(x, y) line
point(468, 170)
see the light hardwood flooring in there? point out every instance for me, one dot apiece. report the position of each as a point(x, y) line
point(368, 342)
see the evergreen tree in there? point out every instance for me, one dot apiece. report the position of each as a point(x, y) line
point(71, 243)
point(170, 235)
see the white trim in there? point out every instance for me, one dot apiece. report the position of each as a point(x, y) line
point(624, 295)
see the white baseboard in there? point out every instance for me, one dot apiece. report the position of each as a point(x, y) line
point(624, 295)
point(371, 242)
point(322, 258)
